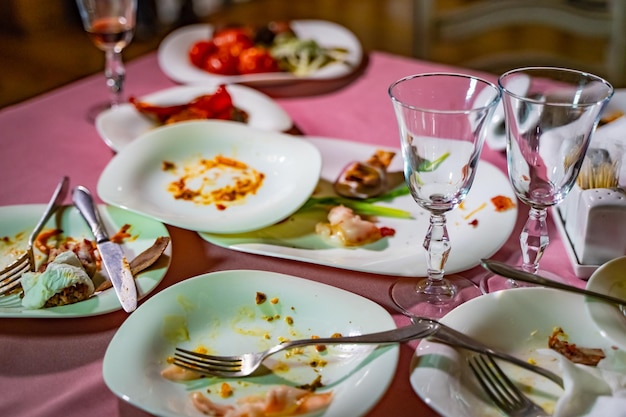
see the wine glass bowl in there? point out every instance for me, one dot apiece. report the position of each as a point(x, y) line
point(110, 25)
point(442, 119)
point(548, 130)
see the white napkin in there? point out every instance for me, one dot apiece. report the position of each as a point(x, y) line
point(592, 391)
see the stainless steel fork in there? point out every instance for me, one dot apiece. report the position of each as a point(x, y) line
point(10, 275)
point(246, 364)
point(501, 390)
point(452, 337)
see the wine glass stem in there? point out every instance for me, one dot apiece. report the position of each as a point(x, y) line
point(114, 72)
point(534, 239)
point(437, 243)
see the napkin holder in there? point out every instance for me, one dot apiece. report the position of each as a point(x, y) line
point(592, 218)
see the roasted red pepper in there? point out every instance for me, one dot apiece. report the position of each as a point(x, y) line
point(218, 105)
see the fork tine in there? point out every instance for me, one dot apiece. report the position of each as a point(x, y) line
point(213, 365)
point(11, 275)
point(501, 390)
point(495, 382)
point(209, 358)
point(203, 367)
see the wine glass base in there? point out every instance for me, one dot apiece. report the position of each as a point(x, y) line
point(414, 298)
point(492, 282)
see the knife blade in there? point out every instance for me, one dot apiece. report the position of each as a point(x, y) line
point(507, 271)
point(113, 258)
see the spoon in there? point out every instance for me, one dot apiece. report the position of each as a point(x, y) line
point(508, 271)
point(362, 180)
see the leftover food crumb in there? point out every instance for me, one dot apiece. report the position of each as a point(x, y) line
point(226, 390)
point(260, 298)
point(502, 203)
point(582, 355)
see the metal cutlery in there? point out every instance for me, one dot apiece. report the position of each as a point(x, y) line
point(508, 271)
point(501, 390)
point(447, 335)
point(246, 364)
point(10, 276)
point(113, 258)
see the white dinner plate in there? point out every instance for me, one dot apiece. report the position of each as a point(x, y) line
point(218, 311)
point(16, 223)
point(174, 60)
point(136, 180)
point(517, 322)
point(401, 254)
point(123, 124)
point(609, 279)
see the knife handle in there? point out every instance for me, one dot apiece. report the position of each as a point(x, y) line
point(86, 207)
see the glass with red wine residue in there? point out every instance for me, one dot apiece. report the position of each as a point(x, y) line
point(110, 25)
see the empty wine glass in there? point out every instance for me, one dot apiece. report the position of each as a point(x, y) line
point(442, 119)
point(110, 25)
point(548, 130)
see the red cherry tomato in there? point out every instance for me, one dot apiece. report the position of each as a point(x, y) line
point(199, 51)
point(230, 36)
point(220, 62)
point(256, 60)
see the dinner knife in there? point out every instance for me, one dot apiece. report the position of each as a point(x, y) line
point(507, 271)
point(113, 258)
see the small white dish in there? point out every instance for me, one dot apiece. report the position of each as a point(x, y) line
point(609, 279)
point(476, 230)
point(18, 221)
point(136, 180)
point(218, 311)
point(174, 60)
point(517, 322)
point(123, 124)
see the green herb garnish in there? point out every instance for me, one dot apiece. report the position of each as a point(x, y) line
point(367, 206)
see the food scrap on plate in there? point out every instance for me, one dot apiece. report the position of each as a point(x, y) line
point(279, 401)
point(221, 181)
point(69, 269)
point(345, 228)
point(365, 179)
point(218, 105)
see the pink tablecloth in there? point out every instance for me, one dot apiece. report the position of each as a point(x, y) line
point(53, 367)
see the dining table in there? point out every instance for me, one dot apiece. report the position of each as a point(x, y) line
point(54, 366)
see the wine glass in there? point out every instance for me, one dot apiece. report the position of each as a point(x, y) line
point(110, 25)
point(442, 120)
point(548, 129)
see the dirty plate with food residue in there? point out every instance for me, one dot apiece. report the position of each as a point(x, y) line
point(17, 222)
point(212, 176)
point(518, 322)
point(239, 311)
point(478, 228)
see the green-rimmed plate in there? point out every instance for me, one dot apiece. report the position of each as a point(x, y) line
point(16, 223)
point(219, 312)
